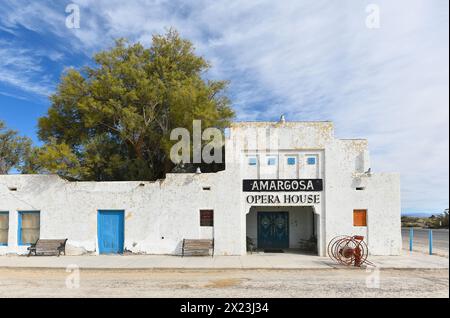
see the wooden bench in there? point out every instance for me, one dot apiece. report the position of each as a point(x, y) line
point(48, 247)
point(197, 247)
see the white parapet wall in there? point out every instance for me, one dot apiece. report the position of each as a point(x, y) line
point(159, 215)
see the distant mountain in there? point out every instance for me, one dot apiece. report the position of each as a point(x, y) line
point(419, 214)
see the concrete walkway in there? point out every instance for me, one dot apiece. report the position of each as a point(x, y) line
point(254, 261)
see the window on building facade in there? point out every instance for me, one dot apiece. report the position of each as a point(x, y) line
point(29, 227)
point(252, 161)
point(291, 161)
point(359, 217)
point(311, 160)
point(271, 161)
point(206, 217)
point(4, 228)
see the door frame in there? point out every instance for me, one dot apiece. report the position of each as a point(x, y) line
point(121, 232)
point(258, 232)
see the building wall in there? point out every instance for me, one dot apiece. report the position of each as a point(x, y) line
point(345, 164)
point(158, 215)
point(341, 164)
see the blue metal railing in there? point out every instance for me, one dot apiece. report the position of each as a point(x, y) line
point(430, 240)
point(411, 236)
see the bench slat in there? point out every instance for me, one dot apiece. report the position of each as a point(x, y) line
point(48, 246)
point(200, 247)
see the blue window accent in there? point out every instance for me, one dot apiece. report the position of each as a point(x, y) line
point(31, 231)
point(4, 228)
point(252, 161)
point(311, 160)
point(271, 161)
point(291, 161)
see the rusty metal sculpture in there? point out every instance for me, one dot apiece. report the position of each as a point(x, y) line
point(349, 250)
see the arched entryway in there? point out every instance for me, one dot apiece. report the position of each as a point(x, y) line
point(282, 229)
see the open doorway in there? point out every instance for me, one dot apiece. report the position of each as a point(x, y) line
point(291, 229)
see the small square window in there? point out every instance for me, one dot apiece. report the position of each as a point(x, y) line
point(359, 217)
point(206, 217)
point(291, 161)
point(311, 160)
point(271, 161)
point(252, 161)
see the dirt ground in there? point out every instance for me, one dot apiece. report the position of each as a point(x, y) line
point(223, 283)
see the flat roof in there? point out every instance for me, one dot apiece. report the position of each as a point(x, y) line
point(274, 122)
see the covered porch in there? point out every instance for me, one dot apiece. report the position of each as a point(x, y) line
point(282, 229)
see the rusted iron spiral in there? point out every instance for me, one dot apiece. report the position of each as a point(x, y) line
point(349, 250)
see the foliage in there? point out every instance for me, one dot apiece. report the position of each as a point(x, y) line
point(56, 158)
point(113, 120)
point(439, 221)
point(12, 149)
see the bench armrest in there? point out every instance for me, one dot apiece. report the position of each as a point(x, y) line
point(32, 246)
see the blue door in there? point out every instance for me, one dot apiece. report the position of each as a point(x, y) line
point(110, 232)
point(273, 230)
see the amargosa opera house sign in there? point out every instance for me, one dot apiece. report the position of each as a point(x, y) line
point(283, 185)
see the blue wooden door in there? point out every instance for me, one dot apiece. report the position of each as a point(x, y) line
point(110, 232)
point(273, 230)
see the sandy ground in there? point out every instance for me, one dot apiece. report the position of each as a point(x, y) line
point(223, 283)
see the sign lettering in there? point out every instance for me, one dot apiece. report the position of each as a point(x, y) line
point(282, 185)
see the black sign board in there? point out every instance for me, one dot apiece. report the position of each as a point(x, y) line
point(282, 185)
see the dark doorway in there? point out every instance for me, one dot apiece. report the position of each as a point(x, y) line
point(273, 230)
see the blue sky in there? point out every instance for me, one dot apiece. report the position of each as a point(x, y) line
point(312, 60)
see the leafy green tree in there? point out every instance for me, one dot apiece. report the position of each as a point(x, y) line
point(441, 221)
point(444, 217)
point(438, 221)
point(53, 158)
point(12, 149)
point(113, 120)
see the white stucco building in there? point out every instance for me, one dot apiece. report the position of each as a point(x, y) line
point(286, 185)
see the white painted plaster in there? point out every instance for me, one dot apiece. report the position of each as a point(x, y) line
point(158, 215)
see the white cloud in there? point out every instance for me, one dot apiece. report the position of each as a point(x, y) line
point(308, 59)
point(20, 68)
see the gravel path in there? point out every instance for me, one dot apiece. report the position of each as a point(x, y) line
point(223, 283)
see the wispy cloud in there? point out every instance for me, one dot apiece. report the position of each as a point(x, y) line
point(307, 59)
point(21, 69)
